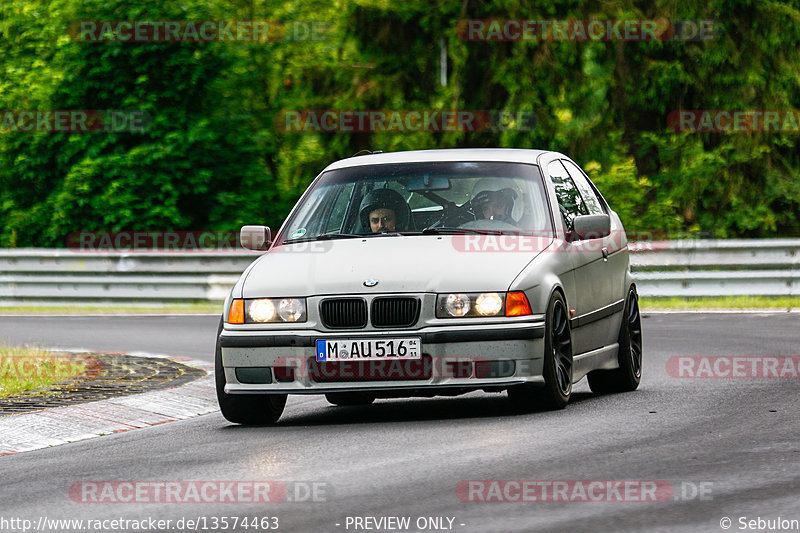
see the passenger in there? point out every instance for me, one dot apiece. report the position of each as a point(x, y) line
point(493, 199)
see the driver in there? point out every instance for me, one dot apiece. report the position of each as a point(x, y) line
point(384, 210)
point(493, 199)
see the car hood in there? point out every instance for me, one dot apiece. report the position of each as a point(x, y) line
point(399, 263)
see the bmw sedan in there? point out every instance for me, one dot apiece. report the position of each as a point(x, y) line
point(435, 272)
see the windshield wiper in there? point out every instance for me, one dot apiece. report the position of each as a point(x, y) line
point(333, 236)
point(324, 237)
point(455, 231)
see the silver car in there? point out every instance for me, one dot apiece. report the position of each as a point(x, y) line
point(434, 272)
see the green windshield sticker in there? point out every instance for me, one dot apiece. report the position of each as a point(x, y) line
point(298, 233)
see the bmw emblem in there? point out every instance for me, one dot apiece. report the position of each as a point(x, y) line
point(370, 282)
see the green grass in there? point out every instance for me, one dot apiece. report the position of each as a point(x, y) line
point(721, 302)
point(26, 369)
point(112, 309)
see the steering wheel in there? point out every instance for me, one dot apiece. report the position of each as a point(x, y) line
point(453, 216)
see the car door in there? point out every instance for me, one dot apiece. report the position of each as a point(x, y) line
point(590, 265)
point(614, 250)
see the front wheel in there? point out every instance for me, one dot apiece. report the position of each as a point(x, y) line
point(557, 366)
point(626, 378)
point(245, 408)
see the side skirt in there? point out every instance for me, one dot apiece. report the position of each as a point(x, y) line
point(604, 358)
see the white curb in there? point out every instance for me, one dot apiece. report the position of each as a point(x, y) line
point(61, 425)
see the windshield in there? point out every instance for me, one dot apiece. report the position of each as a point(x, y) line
point(413, 198)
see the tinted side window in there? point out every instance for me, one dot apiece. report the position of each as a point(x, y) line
point(569, 199)
point(593, 203)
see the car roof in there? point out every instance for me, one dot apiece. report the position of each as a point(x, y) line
point(514, 155)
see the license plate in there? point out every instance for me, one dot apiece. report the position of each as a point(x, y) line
point(369, 349)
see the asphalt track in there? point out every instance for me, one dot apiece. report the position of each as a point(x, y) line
point(735, 440)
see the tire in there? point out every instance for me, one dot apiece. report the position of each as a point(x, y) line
point(556, 368)
point(263, 409)
point(346, 399)
point(626, 378)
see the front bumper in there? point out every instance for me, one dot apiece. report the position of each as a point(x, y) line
point(455, 358)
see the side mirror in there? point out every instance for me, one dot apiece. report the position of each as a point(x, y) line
point(255, 237)
point(591, 227)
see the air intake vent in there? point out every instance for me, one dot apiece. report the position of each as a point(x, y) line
point(343, 313)
point(395, 312)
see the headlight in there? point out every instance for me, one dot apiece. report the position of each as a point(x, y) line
point(264, 310)
point(457, 304)
point(489, 304)
point(482, 304)
point(292, 310)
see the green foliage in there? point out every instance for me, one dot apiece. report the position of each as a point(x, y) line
point(214, 157)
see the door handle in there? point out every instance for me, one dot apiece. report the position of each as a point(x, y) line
point(605, 254)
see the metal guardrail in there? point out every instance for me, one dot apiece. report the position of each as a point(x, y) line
point(766, 267)
point(757, 267)
point(64, 275)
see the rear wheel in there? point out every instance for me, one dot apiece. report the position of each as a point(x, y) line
point(626, 378)
point(245, 408)
point(344, 399)
point(557, 366)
